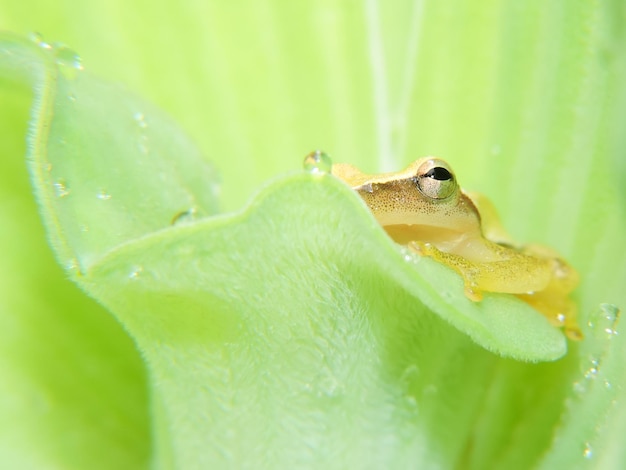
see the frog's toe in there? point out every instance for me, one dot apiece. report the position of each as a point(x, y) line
point(420, 248)
point(472, 292)
point(573, 332)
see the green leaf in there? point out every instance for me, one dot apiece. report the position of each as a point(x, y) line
point(72, 385)
point(102, 160)
point(286, 334)
point(296, 320)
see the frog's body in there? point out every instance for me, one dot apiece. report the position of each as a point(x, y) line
point(424, 208)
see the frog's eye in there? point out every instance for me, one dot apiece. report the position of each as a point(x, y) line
point(435, 179)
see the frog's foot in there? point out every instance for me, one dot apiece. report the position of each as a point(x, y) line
point(462, 266)
point(559, 310)
point(574, 333)
point(472, 291)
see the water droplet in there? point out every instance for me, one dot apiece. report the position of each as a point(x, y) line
point(591, 373)
point(588, 451)
point(72, 264)
point(70, 63)
point(60, 188)
point(103, 195)
point(603, 321)
point(37, 38)
point(135, 272)
point(184, 217)
point(140, 119)
point(409, 256)
point(71, 97)
point(317, 162)
point(590, 369)
point(560, 318)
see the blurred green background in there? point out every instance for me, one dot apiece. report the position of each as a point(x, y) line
point(525, 99)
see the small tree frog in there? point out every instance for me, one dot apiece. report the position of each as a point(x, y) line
point(423, 208)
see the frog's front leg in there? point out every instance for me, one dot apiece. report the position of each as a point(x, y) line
point(508, 272)
point(467, 270)
point(543, 283)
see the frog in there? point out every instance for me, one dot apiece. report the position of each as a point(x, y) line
point(423, 208)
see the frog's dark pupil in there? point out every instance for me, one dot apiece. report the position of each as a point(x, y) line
point(439, 173)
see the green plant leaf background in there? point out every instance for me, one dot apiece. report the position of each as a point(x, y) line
point(320, 347)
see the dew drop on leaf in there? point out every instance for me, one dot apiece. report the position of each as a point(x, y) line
point(592, 371)
point(37, 38)
point(603, 321)
point(72, 264)
point(61, 188)
point(103, 195)
point(317, 162)
point(409, 256)
point(184, 217)
point(140, 119)
point(135, 272)
point(70, 63)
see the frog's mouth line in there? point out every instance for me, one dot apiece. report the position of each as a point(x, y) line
point(444, 239)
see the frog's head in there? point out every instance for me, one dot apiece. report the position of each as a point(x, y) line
point(425, 195)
